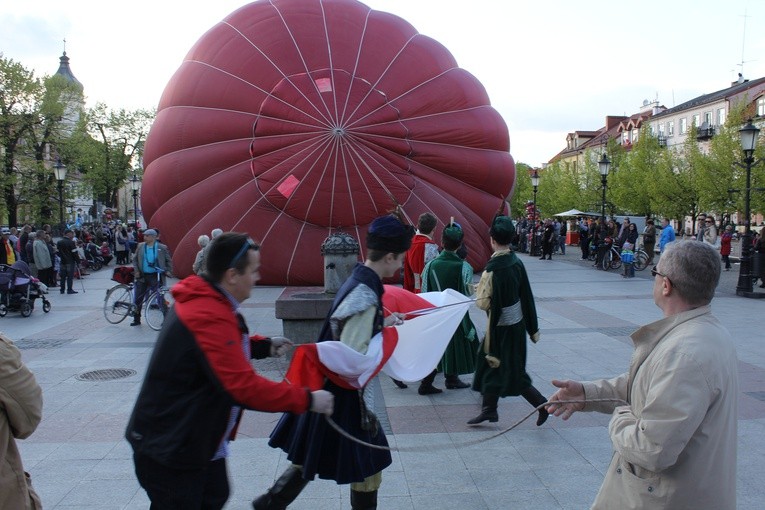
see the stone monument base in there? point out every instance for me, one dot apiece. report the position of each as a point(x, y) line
point(302, 311)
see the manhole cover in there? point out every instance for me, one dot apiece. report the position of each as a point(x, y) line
point(107, 374)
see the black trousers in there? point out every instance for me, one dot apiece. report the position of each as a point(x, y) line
point(183, 489)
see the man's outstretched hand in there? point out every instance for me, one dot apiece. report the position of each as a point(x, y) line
point(567, 390)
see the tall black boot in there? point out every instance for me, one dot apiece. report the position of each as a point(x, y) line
point(283, 492)
point(136, 319)
point(426, 385)
point(363, 500)
point(488, 410)
point(532, 395)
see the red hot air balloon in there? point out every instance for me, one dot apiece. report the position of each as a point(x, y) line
point(292, 119)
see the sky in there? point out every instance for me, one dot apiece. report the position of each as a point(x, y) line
point(549, 68)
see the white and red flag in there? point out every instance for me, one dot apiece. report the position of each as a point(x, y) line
point(407, 352)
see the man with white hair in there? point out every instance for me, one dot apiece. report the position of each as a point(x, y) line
point(675, 439)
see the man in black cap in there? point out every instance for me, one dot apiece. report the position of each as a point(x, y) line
point(151, 262)
point(505, 293)
point(315, 448)
point(67, 252)
point(449, 271)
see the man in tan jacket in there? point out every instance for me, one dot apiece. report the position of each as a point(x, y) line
point(20, 413)
point(675, 439)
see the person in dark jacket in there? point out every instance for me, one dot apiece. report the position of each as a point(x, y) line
point(67, 251)
point(504, 292)
point(548, 240)
point(200, 379)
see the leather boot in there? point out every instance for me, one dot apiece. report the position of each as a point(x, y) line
point(426, 385)
point(136, 319)
point(453, 382)
point(488, 410)
point(363, 500)
point(283, 492)
point(532, 395)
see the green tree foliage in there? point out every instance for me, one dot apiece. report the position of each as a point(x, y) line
point(106, 147)
point(559, 189)
point(20, 98)
point(632, 179)
point(522, 191)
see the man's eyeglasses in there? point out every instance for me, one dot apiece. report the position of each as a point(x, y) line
point(708, 221)
point(654, 272)
point(248, 244)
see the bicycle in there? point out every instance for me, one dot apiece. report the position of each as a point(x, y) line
point(613, 259)
point(119, 302)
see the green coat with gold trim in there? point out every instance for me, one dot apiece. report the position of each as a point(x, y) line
point(505, 293)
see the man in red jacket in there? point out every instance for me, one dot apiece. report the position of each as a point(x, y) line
point(200, 379)
point(423, 250)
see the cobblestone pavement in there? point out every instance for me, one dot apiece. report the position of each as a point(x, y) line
point(79, 460)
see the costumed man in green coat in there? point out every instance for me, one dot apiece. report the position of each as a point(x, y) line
point(449, 271)
point(505, 293)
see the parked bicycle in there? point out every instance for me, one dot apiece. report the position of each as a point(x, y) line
point(119, 302)
point(613, 259)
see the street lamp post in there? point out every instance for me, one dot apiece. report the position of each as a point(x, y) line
point(534, 251)
point(603, 166)
point(749, 135)
point(135, 186)
point(59, 170)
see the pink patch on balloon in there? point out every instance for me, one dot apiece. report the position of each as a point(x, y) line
point(288, 186)
point(293, 119)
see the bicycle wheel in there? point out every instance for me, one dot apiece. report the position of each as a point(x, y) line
point(605, 264)
point(616, 259)
point(641, 260)
point(156, 308)
point(118, 303)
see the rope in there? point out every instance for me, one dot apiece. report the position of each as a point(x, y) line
point(473, 442)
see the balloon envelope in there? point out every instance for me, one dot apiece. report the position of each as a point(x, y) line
point(293, 119)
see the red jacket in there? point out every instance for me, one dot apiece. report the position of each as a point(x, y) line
point(197, 372)
point(414, 262)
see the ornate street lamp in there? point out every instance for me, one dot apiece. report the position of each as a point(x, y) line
point(603, 166)
point(59, 170)
point(534, 251)
point(135, 187)
point(749, 134)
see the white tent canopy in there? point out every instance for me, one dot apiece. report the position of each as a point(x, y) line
point(576, 212)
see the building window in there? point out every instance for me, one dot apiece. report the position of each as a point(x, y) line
point(670, 128)
point(661, 129)
point(721, 116)
point(635, 133)
point(625, 137)
point(696, 119)
point(708, 118)
point(761, 106)
point(683, 126)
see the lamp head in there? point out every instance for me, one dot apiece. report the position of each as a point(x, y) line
point(749, 134)
point(604, 165)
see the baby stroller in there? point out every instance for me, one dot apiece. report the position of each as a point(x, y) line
point(19, 290)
